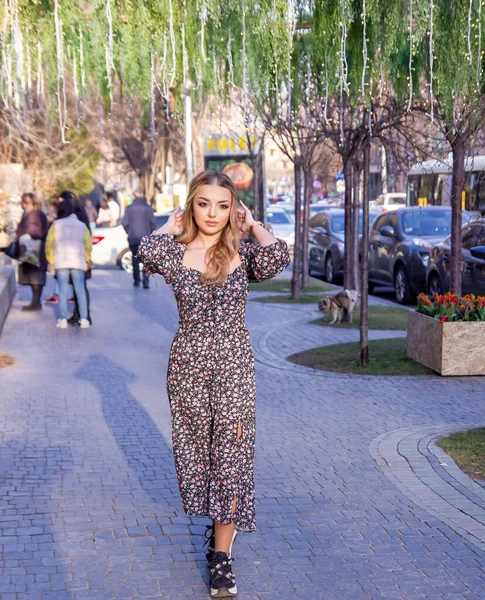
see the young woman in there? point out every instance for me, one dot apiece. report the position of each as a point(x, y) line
point(68, 250)
point(210, 379)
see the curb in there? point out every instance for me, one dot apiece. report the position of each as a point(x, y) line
point(7, 291)
point(430, 478)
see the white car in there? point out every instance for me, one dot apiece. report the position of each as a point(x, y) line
point(391, 201)
point(282, 224)
point(110, 245)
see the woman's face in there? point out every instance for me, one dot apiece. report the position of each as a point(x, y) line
point(212, 208)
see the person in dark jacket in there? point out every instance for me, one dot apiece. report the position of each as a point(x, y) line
point(34, 223)
point(138, 221)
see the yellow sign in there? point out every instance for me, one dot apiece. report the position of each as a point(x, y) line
point(463, 199)
point(220, 145)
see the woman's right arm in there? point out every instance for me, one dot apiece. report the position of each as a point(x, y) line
point(159, 253)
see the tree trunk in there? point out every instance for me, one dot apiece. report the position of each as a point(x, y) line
point(355, 226)
point(257, 180)
point(348, 225)
point(364, 266)
point(458, 183)
point(295, 279)
point(306, 217)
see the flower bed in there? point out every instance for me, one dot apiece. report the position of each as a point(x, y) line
point(449, 308)
point(447, 334)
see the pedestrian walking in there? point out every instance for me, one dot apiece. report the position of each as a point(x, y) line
point(210, 378)
point(138, 221)
point(68, 250)
point(32, 272)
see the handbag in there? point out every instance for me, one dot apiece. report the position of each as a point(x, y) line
point(12, 250)
point(29, 250)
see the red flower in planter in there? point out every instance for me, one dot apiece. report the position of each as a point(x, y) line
point(443, 319)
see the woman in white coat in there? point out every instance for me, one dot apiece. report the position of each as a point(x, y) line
point(68, 251)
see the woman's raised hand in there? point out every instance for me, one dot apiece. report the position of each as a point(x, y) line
point(174, 225)
point(244, 218)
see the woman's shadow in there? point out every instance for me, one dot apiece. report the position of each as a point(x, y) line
point(148, 456)
point(143, 447)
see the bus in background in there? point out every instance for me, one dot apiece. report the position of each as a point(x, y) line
point(429, 184)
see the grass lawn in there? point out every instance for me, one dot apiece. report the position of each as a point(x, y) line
point(386, 357)
point(467, 449)
point(6, 360)
point(380, 317)
point(282, 286)
point(284, 299)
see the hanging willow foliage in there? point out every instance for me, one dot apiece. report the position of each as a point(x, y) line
point(355, 49)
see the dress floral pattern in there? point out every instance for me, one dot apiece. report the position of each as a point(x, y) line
point(211, 380)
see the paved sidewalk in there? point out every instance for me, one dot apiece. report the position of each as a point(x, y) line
point(89, 505)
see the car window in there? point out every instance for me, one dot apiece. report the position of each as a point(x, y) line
point(393, 221)
point(337, 223)
point(379, 200)
point(397, 200)
point(427, 223)
point(279, 218)
point(380, 222)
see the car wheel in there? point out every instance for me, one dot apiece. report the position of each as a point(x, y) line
point(371, 286)
point(402, 286)
point(329, 272)
point(126, 261)
point(434, 286)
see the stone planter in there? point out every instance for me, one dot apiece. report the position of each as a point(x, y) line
point(456, 348)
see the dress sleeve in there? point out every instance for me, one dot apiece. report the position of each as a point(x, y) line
point(265, 262)
point(160, 254)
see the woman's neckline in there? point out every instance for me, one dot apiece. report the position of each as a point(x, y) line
point(202, 272)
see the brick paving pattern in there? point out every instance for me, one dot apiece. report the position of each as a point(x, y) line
point(89, 505)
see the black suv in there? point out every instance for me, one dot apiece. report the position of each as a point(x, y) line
point(472, 257)
point(400, 243)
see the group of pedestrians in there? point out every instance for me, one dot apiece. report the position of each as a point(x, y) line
point(65, 248)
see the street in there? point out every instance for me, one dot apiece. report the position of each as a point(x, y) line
point(89, 503)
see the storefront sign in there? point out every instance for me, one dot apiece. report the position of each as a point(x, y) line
point(229, 145)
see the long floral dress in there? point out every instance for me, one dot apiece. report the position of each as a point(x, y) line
point(210, 378)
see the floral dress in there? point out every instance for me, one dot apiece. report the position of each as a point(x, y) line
point(210, 378)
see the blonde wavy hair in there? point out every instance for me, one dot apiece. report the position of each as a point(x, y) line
point(225, 249)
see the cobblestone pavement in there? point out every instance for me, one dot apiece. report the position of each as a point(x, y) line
point(89, 506)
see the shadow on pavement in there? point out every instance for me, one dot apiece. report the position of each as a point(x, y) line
point(134, 430)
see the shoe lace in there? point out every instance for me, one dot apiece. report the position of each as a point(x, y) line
point(208, 533)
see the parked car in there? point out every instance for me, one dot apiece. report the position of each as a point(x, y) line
point(288, 206)
point(326, 242)
point(282, 224)
point(391, 201)
point(400, 242)
point(472, 257)
point(110, 245)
